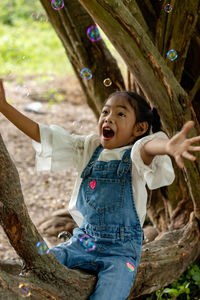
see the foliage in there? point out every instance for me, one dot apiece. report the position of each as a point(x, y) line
point(28, 42)
point(185, 288)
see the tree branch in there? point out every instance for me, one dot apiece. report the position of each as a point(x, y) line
point(175, 31)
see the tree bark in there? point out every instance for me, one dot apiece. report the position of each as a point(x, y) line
point(46, 278)
point(144, 35)
point(71, 24)
point(152, 74)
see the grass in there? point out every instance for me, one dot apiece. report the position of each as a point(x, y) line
point(29, 45)
point(31, 48)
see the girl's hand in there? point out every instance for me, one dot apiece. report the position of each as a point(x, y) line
point(2, 95)
point(179, 145)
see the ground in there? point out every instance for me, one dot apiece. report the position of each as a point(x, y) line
point(44, 192)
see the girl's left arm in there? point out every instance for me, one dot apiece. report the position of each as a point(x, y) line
point(177, 146)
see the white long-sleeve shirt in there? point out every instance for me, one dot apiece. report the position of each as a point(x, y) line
point(60, 150)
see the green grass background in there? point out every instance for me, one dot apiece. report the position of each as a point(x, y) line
point(28, 42)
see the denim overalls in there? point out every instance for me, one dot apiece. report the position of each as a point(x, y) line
point(106, 201)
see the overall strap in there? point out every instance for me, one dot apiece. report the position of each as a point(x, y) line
point(94, 157)
point(125, 163)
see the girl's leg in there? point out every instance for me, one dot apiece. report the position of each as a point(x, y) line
point(115, 278)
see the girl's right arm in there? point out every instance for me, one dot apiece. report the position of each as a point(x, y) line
point(25, 124)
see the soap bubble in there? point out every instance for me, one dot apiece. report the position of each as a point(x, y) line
point(77, 124)
point(39, 17)
point(24, 290)
point(168, 8)
point(42, 248)
point(57, 4)
point(87, 243)
point(93, 34)
point(66, 235)
point(172, 54)
point(107, 82)
point(86, 73)
point(131, 267)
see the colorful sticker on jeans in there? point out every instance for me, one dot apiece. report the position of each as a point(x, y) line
point(131, 267)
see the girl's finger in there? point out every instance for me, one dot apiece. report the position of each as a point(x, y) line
point(187, 126)
point(188, 156)
point(191, 148)
point(195, 139)
point(179, 162)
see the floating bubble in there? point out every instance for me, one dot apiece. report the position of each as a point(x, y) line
point(87, 243)
point(64, 235)
point(107, 82)
point(24, 290)
point(172, 54)
point(168, 8)
point(39, 17)
point(42, 248)
point(93, 34)
point(57, 4)
point(86, 73)
point(77, 124)
point(131, 267)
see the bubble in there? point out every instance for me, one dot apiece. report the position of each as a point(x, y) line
point(168, 8)
point(107, 82)
point(57, 4)
point(86, 73)
point(24, 290)
point(42, 248)
point(131, 267)
point(77, 124)
point(93, 34)
point(66, 235)
point(39, 17)
point(172, 54)
point(87, 243)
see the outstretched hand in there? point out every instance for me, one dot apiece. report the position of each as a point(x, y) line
point(178, 146)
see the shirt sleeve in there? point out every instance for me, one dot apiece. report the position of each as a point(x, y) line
point(58, 149)
point(160, 172)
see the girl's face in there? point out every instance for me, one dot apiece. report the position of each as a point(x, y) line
point(117, 123)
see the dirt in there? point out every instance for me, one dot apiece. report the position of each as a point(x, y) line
point(47, 191)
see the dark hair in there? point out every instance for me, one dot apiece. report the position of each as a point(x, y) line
point(142, 110)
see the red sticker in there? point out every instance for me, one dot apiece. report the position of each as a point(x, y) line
point(93, 184)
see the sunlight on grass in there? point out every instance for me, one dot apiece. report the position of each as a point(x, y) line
point(32, 48)
point(29, 45)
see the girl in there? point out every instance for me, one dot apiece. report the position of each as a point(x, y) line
point(109, 197)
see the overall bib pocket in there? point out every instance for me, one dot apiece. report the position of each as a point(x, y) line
point(104, 194)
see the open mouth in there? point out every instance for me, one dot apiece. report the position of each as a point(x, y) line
point(108, 133)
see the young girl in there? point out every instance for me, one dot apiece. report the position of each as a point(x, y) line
point(109, 197)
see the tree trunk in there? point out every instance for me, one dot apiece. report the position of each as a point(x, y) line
point(144, 34)
point(71, 24)
point(46, 278)
point(150, 70)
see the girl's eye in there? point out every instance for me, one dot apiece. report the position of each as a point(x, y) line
point(121, 114)
point(104, 111)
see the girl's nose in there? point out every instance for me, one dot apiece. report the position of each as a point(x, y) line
point(109, 119)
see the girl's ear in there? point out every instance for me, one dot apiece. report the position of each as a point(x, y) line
point(140, 128)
